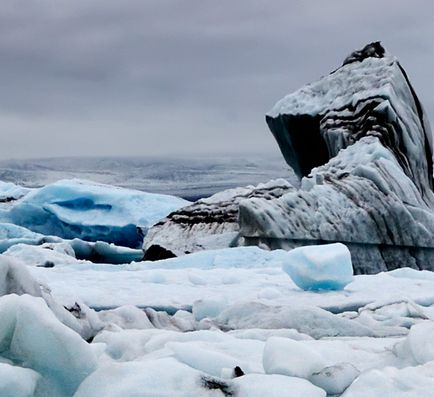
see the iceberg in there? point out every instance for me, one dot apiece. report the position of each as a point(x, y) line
point(11, 234)
point(91, 211)
point(209, 223)
point(10, 192)
point(361, 143)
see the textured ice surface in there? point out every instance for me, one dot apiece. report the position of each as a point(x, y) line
point(208, 223)
point(360, 140)
point(91, 211)
point(320, 267)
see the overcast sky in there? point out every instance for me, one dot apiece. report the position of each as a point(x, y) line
point(164, 77)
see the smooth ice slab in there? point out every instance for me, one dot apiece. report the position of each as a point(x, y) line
point(320, 267)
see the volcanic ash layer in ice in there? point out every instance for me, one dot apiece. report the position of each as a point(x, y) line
point(361, 143)
point(208, 223)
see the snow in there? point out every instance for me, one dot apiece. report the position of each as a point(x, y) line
point(283, 356)
point(320, 267)
point(91, 211)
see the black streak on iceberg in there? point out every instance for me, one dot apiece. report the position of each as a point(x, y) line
point(208, 223)
point(361, 143)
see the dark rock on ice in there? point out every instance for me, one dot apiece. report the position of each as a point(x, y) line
point(372, 50)
point(238, 372)
point(361, 143)
point(213, 383)
point(156, 252)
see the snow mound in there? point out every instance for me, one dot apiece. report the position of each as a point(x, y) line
point(91, 211)
point(320, 267)
point(283, 356)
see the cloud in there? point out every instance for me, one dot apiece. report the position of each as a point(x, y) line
point(160, 77)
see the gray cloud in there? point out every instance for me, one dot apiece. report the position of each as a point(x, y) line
point(136, 77)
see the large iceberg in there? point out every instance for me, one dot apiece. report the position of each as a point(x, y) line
point(361, 143)
point(91, 211)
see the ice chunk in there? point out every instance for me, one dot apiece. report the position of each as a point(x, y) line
point(32, 336)
point(17, 381)
point(15, 279)
point(312, 321)
point(390, 381)
point(92, 211)
point(264, 334)
point(204, 359)
point(11, 234)
point(150, 378)
point(320, 267)
point(126, 317)
point(210, 308)
point(284, 356)
point(336, 378)
point(259, 385)
point(102, 252)
point(419, 344)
